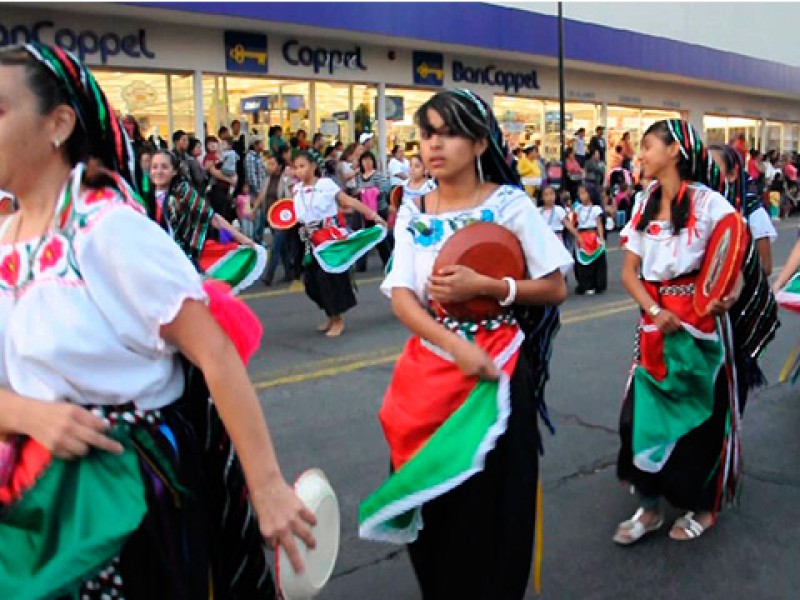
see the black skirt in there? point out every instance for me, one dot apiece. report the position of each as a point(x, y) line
point(689, 480)
point(477, 540)
point(331, 292)
point(593, 276)
point(199, 537)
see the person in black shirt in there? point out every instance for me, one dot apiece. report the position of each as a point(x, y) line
point(598, 142)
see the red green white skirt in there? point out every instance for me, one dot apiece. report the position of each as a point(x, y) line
point(439, 425)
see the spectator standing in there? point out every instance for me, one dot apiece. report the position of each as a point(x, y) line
point(277, 187)
point(598, 142)
point(580, 146)
point(255, 174)
point(398, 166)
point(627, 151)
point(369, 176)
point(197, 173)
point(180, 147)
point(315, 150)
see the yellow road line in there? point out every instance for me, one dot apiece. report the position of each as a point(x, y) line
point(338, 365)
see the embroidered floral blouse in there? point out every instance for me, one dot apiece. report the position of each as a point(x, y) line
point(418, 244)
point(666, 256)
point(80, 319)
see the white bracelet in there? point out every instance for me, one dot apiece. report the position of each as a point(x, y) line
point(512, 292)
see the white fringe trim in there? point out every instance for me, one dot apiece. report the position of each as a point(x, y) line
point(372, 528)
point(346, 267)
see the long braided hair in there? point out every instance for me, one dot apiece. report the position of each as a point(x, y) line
point(56, 77)
point(467, 115)
point(694, 166)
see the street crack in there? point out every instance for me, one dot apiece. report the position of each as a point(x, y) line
point(387, 557)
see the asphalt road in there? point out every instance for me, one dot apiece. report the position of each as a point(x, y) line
point(321, 397)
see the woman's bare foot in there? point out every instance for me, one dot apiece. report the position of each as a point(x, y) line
point(323, 327)
point(336, 328)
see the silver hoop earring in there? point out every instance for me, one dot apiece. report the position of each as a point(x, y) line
point(57, 144)
point(480, 168)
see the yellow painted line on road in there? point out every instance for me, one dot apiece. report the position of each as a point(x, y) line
point(339, 365)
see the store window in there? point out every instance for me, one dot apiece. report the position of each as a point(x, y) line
point(182, 102)
point(332, 111)
point(141, 94)
point(622, 120)
point(522, 120)
point(791, 140)
point(723, 130)
point(576, 115)
point(401, 106)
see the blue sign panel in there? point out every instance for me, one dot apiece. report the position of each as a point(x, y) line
point(394, 108)
point(429, 68)
point(246, 52)
point(254, 104)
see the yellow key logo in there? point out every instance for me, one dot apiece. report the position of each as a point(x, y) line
point(424, 71)
point(239, 54)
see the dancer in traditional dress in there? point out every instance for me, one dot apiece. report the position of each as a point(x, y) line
point(460, 413)
point(106, 425)
point(679, 420)
point(187, 217)
point(754, 316)
point(330, 249)
point(591, 267)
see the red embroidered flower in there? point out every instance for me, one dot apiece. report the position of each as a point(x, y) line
point(654, 228)
point(51, 254)
point(96, 196)
point(9, 268)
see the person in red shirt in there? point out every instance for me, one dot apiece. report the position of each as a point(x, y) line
point(740, 145)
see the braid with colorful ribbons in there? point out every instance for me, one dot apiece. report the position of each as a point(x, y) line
point(57, 77)
point(694, 166)
point(735, 190)
point(466, 114)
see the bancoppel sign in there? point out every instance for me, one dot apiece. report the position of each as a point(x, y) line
point(510, 81)
point(86, 43)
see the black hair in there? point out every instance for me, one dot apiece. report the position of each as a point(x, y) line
point(193, 143)
point(328, 151)
point(692, 165)
point(222, 131)
point(294, 142)
point(370, 156)
point(468, 116)
point(304, 154)
point(178, 135)
point(235, 122)
point(175, 162)
point(50, 94)
point(317, 137)
point(347, 153)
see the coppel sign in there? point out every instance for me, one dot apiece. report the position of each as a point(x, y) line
point(84, 44)
point(491, 75)
point(321, 58)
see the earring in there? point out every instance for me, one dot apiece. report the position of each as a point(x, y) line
point(57, 144)
point(480, 168)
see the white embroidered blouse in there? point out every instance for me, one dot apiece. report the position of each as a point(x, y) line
point(666, 256)
point(419, 242)
point(317, 202)
point(80, 318)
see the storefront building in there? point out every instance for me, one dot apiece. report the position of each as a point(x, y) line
point(178, 67)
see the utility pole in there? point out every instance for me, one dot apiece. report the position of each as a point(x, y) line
point(561, 108)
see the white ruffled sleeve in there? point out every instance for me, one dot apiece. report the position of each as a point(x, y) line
point(761, 225)
point(137, 275)
point(544, 252)
point(403, 271)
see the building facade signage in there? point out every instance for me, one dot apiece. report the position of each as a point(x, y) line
point(85, 44)
point(254, 104)
point(428, 68)
point(246, 52)
point(321, 58)
point(494, 77)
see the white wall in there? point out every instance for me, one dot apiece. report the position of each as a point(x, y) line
point(767, 30)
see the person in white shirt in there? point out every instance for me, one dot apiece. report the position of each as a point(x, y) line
point(591, 269)
point(554, 215)
point(417, 186)
point(398, 166)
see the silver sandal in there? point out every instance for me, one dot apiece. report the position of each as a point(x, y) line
point(632, 530)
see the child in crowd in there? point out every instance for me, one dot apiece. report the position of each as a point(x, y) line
point(228, 162)
point(244, 211)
